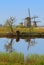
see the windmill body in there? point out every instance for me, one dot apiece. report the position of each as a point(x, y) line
point(27, 22)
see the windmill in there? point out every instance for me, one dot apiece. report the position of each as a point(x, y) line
point(28, 20)
point(34, 21)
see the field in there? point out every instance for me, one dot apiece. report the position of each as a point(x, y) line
point(18, 59)
point(33, 29)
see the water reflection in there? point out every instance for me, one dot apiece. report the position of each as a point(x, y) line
point(22, 46)
point(31, 42)
point(9, 47)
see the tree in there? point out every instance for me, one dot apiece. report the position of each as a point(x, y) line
point(10, 22)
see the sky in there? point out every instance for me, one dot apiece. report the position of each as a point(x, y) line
point(19, 9)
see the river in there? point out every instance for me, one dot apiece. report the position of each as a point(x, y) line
point(22, 45)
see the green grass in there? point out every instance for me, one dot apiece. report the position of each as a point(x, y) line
point(35, 59)
point(11, 58)
point(18, 59)
point(21, 29)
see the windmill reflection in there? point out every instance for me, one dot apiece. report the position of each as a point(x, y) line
point(31, 42)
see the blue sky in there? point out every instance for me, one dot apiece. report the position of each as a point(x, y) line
point(19, 9)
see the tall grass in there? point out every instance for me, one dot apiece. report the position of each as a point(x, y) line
point(12, 58)
point(35, 59)
point(18, 59)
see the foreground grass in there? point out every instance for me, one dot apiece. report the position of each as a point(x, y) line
point(11, 58)
point(35, 59)
point(18, 59)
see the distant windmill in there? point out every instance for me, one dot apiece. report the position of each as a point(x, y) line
point(34, 21)
point(28, 20)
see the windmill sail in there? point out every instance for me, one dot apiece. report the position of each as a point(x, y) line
point(29, 12)
point(29, 17)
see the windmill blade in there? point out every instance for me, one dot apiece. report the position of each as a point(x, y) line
point(29, 12)
point(36, 21)
point(35, 17)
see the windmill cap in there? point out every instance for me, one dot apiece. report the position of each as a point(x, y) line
point(27, 18)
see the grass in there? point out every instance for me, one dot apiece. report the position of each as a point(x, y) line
point(18, 59)
point(11, 58)
point(33, 29)
point(35, 59)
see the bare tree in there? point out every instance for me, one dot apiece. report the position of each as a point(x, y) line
point(10, 23)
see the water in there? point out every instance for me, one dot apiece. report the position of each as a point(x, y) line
point(21, 46)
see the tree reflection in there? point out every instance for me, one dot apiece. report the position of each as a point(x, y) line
point(8, 46)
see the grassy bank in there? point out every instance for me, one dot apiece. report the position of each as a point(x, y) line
point(6, 29)
point(18, 59)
